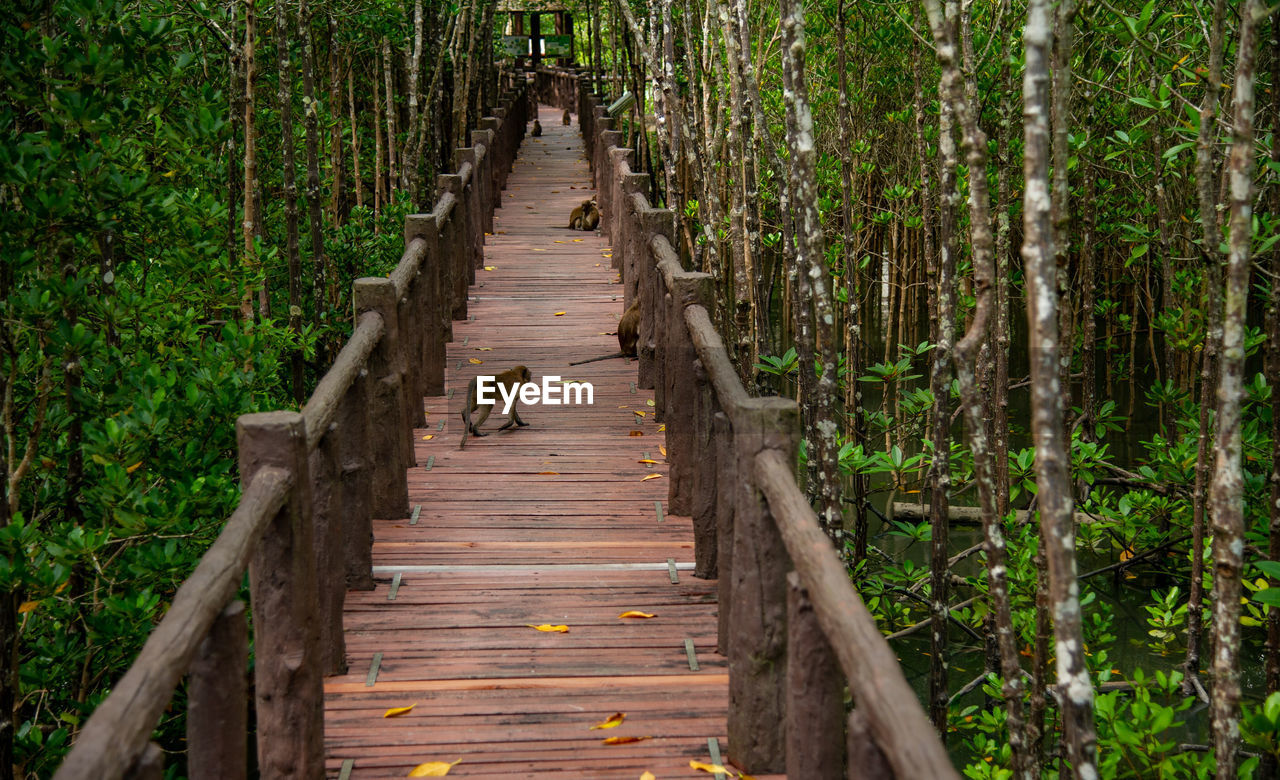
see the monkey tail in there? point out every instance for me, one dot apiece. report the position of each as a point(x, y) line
point(466, 429)
point(602, 357)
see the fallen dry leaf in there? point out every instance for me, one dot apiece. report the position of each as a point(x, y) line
point(710, 768)
point(650, 402)
point(646, 460)
point(433, 769)
point(635, 613)
point(491, 268)
point(613, 721)
point(623, 740)
point(548, 473)
point(476, 361)
point(647, 776)
point(637, 433)
point(428, 437)
point(662, 428)
point(638, 413)
point(561, 313)
point(394, 711)
point(557, 242)
point(536, 249)
point(651, 476)
point(663, 450)
point(550, 628)
point(484, 349)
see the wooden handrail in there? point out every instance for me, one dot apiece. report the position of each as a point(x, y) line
point(876, 679)
point(732, 466)
point(298, 515)
point(120, 727)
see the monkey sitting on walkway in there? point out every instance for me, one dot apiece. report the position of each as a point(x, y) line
point(565, 120)
point(585, 217)
point(537, 129)
point(628, 335)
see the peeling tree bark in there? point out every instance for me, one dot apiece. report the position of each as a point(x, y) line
point(1226, 492)
point(1052, 477)
point(284, 105)
point(811, 264)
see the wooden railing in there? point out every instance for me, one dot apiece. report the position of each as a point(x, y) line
point(790, 621)
point(312, 481)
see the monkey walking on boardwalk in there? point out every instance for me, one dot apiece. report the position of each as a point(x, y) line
point(565, 119)
point(537, 129)
point(628, 335)
point(511, 379)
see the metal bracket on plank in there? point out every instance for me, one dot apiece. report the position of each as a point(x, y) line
point(657, 507)
point(431, 461)
point(465, 340)
point(671, 571)
point(440, 427)
point(688, 646)
point(413, 519)
point(633, 388)
point(395, 587)
point(347, 766)
point(374, 665)
point(450, 397)
point(713, 747)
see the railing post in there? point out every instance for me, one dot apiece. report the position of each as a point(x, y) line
point(149, 766)
point(474, 224)
point(689, 288)
point(409, 327)
point(726, 495)
point(329, 535)
point(658, 222)
point(388, 430)
point(433, 313)
point(702, 442)
point(633, 241)
point(287, 689)
point(622, 222)
point(866, 762)
point(217, 707)
point(758, 631)
point(453, 245)
point(357, 483)
point(815, 693)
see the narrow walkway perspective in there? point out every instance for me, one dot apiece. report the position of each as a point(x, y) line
point(562, 522)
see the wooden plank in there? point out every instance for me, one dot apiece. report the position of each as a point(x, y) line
point(550, 523)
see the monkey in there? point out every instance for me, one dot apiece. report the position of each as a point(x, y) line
point(565, 119)
point(628, 335)
point(537, 129)
point(590, 215)
point(585, 216)
point(511, 379)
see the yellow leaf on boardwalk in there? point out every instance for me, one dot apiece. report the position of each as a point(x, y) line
point(710, 768)
point(549, 627)
point(638, 413)
point(561, 313)
point(662, 428)
point(490, 268)
point(636, 433)
point(650, 402)
point(647, 460)
point(394, 711)
point(476, 361)
point(648, 776)
point(635, 613)
point(557, 242)
point(577, 240)
point(536, 249)
point(663, 450)
point(433, 769)
point(548, 473)
point(428, 437)
point(651, 476)
point(613, 721)
point(484, 349)
point(623, 740)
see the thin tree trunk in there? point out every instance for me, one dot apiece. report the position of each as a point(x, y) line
point(388, 79)
point(1209, 237)
point(1226, 492)
point(336, 163)
point(1060, 68)
point(1004, 256)
point(320, 269)
point(409, 171)
point(379, 184)
point(250, 160)
point(941, 271)
point(284, 104)
point(1052, 477)
point(1272, 369)
point(824, 443)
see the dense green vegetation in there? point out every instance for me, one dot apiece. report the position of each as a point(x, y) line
point(145, 305)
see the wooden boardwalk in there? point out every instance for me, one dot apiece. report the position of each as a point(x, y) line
point(549, 524)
